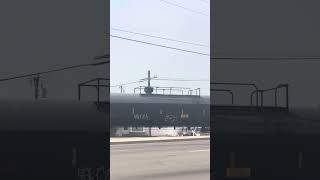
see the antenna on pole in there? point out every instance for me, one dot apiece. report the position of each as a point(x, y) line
point(148, 89)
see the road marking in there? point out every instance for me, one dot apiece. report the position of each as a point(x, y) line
point(201, 150)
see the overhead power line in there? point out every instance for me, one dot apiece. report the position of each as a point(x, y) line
point(135, 82)
point(163, 46)
point(106, 56)
point(164, 38)
point(167, 79)
point(54, 70)
point(185, 8)
point(160, 79)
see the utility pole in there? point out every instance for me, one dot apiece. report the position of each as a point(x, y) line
point(150, 89)
point(149, 79)
point(39, 91)
point(36, 86)
point(121, 88)
point(36, 76)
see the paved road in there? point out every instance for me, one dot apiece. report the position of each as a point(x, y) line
point(161, 161)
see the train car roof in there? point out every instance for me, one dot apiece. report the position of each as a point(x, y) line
point(170, 99)
point(48, 115)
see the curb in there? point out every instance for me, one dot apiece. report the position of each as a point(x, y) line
point(155, 141)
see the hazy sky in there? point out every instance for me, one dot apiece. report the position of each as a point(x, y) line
point(130, 61)
point(268, 28)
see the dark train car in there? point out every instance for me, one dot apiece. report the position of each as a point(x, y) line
point(53, 140)
point(159, 110)
point(265, 142)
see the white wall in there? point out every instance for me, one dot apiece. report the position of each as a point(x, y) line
point(165, 131)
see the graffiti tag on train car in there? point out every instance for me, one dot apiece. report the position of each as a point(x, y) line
point(184, 115)
point(141, 116)
point(170, 118)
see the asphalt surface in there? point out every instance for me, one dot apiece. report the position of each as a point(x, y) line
point(180, 160)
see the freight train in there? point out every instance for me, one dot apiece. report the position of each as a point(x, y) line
point(47, 139)
point(152, 110)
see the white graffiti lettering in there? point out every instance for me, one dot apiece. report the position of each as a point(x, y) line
point(141, 116)
point(170, 117)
